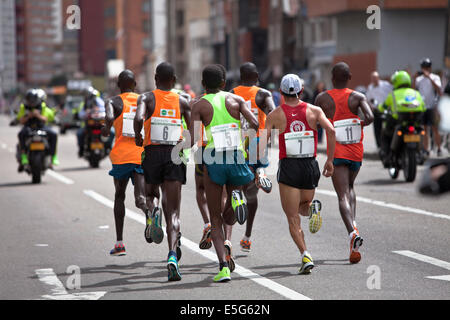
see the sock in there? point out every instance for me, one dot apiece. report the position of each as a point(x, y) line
point(306, 253)
point(207, 225)
point(354, 224)
point(119, 244)
point(172, 254)
point(246, 238)
point(223, 265)
point(351, 234)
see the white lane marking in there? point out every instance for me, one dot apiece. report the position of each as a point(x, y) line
point(272, 285)
point(4, 146)
point(390, 205)
point(58, 292)
point(427, 259)
point(60, 177)
point(103, 227)
point(424, 258)
point(41, 245)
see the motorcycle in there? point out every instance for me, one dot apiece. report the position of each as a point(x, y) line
point(94, 143)
point(38, 150)
point(406, 147)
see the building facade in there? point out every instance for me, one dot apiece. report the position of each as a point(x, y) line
point(8, 63)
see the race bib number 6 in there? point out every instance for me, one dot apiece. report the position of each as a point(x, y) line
point(348, 131)
point(166, 131)
point(226, 137)
point(300, 144)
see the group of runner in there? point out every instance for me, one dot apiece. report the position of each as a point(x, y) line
point(231, 132)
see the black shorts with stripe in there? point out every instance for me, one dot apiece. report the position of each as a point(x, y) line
point(297, 173)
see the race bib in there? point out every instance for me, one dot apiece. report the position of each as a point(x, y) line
point(226, 137)
point(348, 131)
point(300, 144)
point(128, 123)
point(166, 131)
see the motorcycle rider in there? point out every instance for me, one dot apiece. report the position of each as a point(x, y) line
point(394, 104)
point(92, 100)
point(34, 114)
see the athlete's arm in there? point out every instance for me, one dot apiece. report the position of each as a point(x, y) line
point(195, 118)
point(247, 113)
point(323, 101)
point(331, 141)
point(366, 110)
point(139, 118)
point(185, 109)
point(271, 122)
point(109, 118)
point(265, 103)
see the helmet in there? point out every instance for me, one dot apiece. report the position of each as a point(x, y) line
point(90, 92)
point(401, 78)
point(41, 94)
point(426, 63)
point(32, 99)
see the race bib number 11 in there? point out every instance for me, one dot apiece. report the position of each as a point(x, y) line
point(300, 144)
point(348, 131)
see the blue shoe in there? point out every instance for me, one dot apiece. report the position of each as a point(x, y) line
point(172, 267)
point(156, 231)
point(118, 251)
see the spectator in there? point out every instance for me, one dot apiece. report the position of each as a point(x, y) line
point(188, 90)
point(430, 87)
point(377, 93)
point(275, 94)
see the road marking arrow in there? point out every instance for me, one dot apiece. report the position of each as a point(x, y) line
point(427, 259)
point(58, 291)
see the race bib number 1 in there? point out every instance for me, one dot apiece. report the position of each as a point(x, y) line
point(128, 123)
point(166, 131)
point(300, 144)
point(226, 137)
point(348, 131)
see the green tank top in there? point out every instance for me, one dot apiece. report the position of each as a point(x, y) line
point(223, 130)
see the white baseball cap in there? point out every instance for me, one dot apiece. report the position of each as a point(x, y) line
point(291, 84)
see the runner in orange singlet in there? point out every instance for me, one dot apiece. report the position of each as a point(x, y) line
point(343, 105)
point(261, 104)
point(125, 155)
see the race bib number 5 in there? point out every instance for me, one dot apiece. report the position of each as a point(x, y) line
point(348, 131)
point(226, 137)
point(128, 123)
point(166, 131)
point(300, 144)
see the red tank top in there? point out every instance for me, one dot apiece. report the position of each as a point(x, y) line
point(353, 152)
point(295, 122)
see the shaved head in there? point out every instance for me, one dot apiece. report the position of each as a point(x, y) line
point(249, 72)
point(126, 80)
point(341, 73)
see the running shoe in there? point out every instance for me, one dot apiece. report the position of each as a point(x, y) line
point(246, 245)
point(156, 231)
point(315, 219)
point(355, 244)
point(223, 276)
point(118, 251)
point(55, 160)
point(24, 159)
point(239, 204)
point(147, 234)
point(172, 267)
point(179, 253)
point(264, 182)
point(206, 242)
point(307, 265)
point(229, 255)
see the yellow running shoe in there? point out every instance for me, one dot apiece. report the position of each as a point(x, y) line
point(307, 265)
point(315, 218)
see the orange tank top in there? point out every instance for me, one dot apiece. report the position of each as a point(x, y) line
point(249, 95)
point(125, 149)
point(353, 151)
point(167, 108)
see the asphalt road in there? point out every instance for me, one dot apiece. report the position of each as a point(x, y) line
point(66, 222)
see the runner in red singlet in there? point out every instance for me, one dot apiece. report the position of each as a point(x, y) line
point(343, 106)
point(299, 172)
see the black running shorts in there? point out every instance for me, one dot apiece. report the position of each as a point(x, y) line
point(159, 167)
point(301, 174)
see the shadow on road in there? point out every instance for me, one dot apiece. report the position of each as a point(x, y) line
point(16, 184)
point(384, 182)
point(78, 169)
